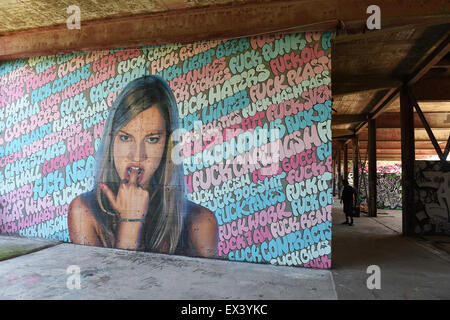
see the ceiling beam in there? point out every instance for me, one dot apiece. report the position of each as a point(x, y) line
point(362, 141)
point(435, 56)
point(398, 144)
point(444, 63)
point(399, 151)
point(341, 132)
point(343, 138)
point(400, 25)
point(391, 120)
point(426, 124)
point(397, 130)
point(388, 153)
point(436, 88)
point(383, 103)
point(438, 120)
point(347, 118)
point(362, 83)
point(423, 67)
point(395, 135)
point(226, 21)
point(398, 157)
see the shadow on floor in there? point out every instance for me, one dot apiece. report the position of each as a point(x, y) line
point(409, 269)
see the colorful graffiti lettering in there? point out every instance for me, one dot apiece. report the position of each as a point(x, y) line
point(249, 129)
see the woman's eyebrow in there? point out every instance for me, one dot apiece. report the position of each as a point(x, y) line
point(124, 132)
point(155, 133)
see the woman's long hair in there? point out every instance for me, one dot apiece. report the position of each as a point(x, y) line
point(163, 223)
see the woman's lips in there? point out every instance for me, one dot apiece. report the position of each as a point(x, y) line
point(138, 168)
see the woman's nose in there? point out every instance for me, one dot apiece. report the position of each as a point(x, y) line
point(138, 152)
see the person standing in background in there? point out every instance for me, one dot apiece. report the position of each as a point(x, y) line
point(349, 198)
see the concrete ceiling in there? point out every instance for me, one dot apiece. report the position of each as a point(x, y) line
point(368, 66)
point(366, 72)
point(18, 15)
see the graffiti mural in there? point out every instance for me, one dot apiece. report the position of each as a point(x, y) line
point(432, 197)
point(389, 186)
point(216, 149)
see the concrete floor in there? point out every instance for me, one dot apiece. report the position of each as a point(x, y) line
point(119, 274)
point(410, 269)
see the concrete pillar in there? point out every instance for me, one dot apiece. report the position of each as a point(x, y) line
point(334, 173)
point(355, 149)
point(346, 161)
point(408, 157)
point(372, 150)
point(339, 172)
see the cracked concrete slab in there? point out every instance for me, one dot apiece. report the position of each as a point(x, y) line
point(120, 274)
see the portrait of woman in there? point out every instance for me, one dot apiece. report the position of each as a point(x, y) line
point(138, 202)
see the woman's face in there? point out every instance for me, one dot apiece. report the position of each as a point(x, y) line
point(139, 146)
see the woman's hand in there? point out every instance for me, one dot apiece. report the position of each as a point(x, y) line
point(131, 201)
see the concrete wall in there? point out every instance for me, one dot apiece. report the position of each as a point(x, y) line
point(432, 197)
point(264, 102)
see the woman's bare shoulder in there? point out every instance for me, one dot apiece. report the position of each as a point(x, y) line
point(79, 209)
point(81, 222)
point(200, 214)
point(203, 230)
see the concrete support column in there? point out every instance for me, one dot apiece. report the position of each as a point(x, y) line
point(346, 161)
point(339, 172)
point(334, 174)
point(372, 150)
point(355, 148)
point(408, 157)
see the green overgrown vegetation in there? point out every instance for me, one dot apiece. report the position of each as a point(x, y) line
point(6, 253)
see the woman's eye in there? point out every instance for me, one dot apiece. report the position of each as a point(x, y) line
point(124, 138)
point(153, 139)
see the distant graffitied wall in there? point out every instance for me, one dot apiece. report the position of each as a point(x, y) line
point(219, 149)
point(432, 197)
point(389, 187)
